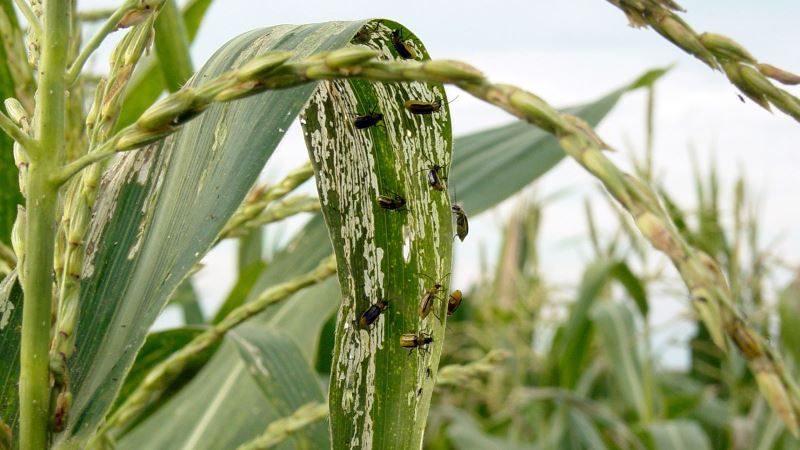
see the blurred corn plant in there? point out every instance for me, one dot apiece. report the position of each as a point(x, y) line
point(117, 191)
point(581, 373)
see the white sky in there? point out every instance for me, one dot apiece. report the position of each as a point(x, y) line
point(573, 51)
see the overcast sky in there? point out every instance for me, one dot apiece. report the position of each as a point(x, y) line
point(571, 51)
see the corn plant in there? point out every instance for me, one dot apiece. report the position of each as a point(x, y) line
point(121, 191)
point(590, 379)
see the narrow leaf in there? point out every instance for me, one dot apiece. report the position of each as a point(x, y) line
point(10, 326)
point(678, 435)
point(616, 326)
point(789, 312)
point(633, 285)
point(186, 299)
point(573, 341)
point(584, 431)
point(172, 46)
point(465, 433)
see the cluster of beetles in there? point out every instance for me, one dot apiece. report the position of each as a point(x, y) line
point(396, 202)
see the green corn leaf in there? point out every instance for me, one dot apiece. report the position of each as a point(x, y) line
point(633, 285)
point(270, 355)
point(572, 343)
point(266, 378)
point(583, 432)
point(677, 435)
point(193, 13)
point(157, 347)
point(161, 209)
point(573, 340)
point(10, 326)
point(10, 196)
point(172, 46)
point(616, 326)
point(464, 433)
point(251, 246)
point(789, 312)
point(304, 317)
point(186, 299)
point(709, 410)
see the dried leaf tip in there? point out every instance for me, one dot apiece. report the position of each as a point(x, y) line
point(139, 13)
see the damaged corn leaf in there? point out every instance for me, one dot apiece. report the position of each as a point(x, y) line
point(162, 207)
point(365, 141)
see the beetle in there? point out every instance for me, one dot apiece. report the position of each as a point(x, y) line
point(434, 179)
point(420, 107)
point(462, 223)
point(367, 120)
point(426, 302)
point(404, 50)
point(392, 202)
point(371, 314)
point(415, 341)
point(453, 302)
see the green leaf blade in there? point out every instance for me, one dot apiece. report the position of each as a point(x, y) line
point(172, 47)
point(257, 377)
point(678, 434)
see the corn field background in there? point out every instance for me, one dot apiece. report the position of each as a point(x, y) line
point(177, 272)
